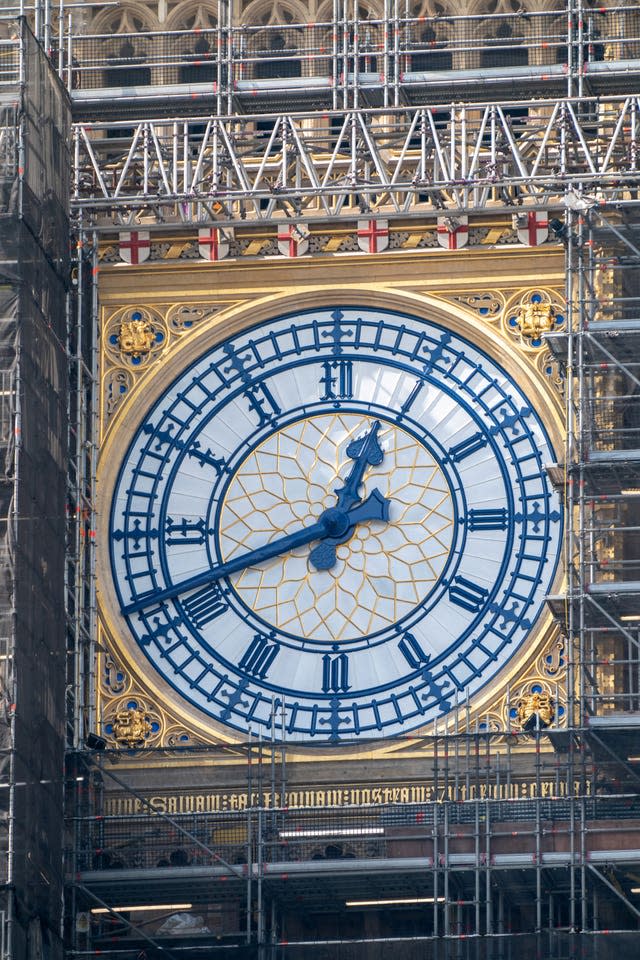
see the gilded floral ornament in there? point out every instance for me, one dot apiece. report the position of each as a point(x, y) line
point(136, 337)
point(536, 703)
point(529, 315)
point(535, 710)
point(534, 319)
point(131, 727)
point(130, 722)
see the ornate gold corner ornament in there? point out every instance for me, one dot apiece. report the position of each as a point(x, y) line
point(524, 317)
point(130, 718)
point(540, 687)
point(536, 710)
point(531, 313)
point(135, 339)
point(535, 318)
point(131, 727)
point(131, 722)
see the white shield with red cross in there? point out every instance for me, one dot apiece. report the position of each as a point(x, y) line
point(453, 232)
point(213, 243)
point(373, 235)
point(135, 246)
point(532, 227)
point(293, 239)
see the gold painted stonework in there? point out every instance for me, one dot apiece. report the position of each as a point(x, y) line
point(136, 337)
point(132, 346)
point(190, 303)
point(534, 319)
point(531, 313)
point(131, 727)
point(118, 697)
point(532, 704)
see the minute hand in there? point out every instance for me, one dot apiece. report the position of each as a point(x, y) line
point(332, 522)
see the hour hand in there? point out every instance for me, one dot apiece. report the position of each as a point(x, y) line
point(366, 452)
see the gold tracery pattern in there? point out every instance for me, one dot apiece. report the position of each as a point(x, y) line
point(288, 481)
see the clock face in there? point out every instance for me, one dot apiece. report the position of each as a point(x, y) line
point(340, 517)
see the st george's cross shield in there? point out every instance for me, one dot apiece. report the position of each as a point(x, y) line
point(213, 243)
point(373, 235)
point(453, 232)
point(134, 246)
point(293, 239)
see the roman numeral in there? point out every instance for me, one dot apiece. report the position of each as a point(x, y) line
point(337, 380)
point(467, 594)
point(259, 656)
point(261, 400)
point(335, 673)
point(412, 651)
point(205, 605)
point(185, 531)
point(487, 519)
point(466, 447)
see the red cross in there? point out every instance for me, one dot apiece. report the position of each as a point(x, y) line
point(293, 238)
point(533, 225)
point(134, 244)
point(210, 240)
point(373, 232)
point(453, 234)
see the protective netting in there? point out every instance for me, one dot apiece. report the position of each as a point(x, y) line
point(34, 267)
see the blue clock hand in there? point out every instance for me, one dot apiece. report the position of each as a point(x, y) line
point(367, 452)
point(333, 522)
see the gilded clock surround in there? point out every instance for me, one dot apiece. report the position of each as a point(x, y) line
point(540, 669)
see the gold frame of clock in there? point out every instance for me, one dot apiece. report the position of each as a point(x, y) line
point(157, 316)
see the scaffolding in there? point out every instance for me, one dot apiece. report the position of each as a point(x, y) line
point(410, 119)
point(34, 265)
point(468, 858)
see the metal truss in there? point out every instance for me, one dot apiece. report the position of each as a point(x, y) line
point(408, 162)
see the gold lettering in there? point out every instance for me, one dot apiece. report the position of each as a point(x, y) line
point(340, 796)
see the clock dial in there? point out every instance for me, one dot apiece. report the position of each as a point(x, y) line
point(343, 512)
point(381, 572)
